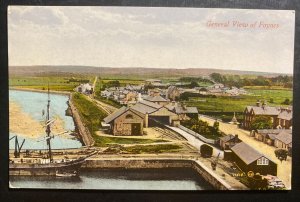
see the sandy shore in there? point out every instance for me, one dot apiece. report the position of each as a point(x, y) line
point(25, 125)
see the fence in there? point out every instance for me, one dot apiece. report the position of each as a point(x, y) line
point(196, 135)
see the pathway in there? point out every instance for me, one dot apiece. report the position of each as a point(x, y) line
point(195, 142)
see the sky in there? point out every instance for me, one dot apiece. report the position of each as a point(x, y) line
point(152, 37)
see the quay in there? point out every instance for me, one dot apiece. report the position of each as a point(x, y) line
point(159, 162)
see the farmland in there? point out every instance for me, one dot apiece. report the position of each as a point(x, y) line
point(57, 83)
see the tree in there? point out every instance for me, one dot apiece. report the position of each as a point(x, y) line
point(261, 122)
point(215, 128)
point(286, 101)
point(281, 154)
point(194, 84)
point(206, 150)
point(217, 77)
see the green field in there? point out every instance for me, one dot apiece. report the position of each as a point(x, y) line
point(41, 83)
point(238, 104)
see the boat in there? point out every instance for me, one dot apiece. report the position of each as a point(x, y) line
point(74, 174)
point(46, 165)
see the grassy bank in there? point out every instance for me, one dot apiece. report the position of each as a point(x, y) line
point(152, 149)
point(102, 141)
point(90, 114)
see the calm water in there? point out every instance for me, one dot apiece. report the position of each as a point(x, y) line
point(142, 179)
point(33, 103)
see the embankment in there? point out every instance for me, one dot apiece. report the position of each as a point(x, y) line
point(200, 168)
point(83, 131)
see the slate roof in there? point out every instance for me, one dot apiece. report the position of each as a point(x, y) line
point(284, 137)
point(227, 138)
point(246, 153)
point(157, 98)
point(146, 107)
point(285, 115)
point(267, 110)
point(187, 110)
point(273, 131)
point(116, 114)
point(171, 89)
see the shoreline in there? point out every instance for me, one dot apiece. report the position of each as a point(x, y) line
point(40, 91)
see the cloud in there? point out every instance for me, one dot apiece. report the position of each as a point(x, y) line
point(150, 37)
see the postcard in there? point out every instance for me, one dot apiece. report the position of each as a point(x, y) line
point(150, 98)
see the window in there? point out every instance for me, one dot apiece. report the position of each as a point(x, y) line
point(263, 161)
point(129, 116)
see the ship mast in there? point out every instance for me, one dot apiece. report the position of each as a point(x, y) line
point(48, 130)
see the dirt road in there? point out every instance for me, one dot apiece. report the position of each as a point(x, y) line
point(284, 168)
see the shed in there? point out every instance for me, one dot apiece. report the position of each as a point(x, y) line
point(249, 159)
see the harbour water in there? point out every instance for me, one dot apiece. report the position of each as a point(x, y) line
point(119, 179)
point(33, 103)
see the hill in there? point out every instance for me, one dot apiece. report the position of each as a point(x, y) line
point(123, 71)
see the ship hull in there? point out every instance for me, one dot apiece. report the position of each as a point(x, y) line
point(45, 169)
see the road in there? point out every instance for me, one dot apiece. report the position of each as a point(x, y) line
point(94, 85)
point(284, 168)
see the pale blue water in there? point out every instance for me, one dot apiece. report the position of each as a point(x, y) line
point(119, 179)
point(33, 103)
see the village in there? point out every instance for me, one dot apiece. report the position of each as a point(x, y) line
point(259, 147)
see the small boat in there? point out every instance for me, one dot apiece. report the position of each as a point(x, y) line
point(65, 174)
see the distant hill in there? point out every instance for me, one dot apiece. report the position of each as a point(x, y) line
point(123, 71)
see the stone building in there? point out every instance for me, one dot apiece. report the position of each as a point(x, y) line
point(125, 121)
point(172, 93)
point(280, 117)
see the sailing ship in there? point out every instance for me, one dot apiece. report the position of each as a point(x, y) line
point(46, 165)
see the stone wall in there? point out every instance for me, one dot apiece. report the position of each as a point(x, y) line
point(83, 131)
point(204, 172)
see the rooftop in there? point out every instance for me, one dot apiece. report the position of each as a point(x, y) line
point(246, 153)
point(284, 137)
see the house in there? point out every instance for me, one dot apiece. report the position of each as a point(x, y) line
point(154, 92)
point(172, 93)
point(249, 159)
point(261, 109)
point(285, 118)
point(280, 117)
point(183, 112)
point(228, 141)
point(283, 140)
point(85, 88)
point(268, 135)
point(157, 99)
point(125, 121)
point(131, 120)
